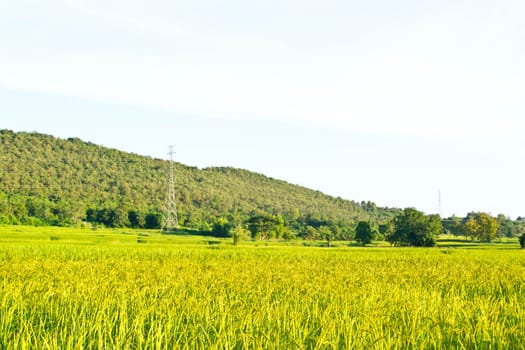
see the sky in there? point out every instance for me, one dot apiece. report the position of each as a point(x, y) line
point(396, 102)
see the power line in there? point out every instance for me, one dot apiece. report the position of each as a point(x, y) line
point(170, 221)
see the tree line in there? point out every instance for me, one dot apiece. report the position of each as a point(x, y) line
point(409, 227)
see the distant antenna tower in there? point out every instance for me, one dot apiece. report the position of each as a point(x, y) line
point(170, 221)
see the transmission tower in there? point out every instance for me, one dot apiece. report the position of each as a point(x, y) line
point(170, 221)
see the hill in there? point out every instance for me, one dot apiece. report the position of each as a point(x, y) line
point(45, 179)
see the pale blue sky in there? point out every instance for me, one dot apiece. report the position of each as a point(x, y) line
point(387, 101)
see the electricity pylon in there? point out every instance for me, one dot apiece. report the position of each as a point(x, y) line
point(170, 222)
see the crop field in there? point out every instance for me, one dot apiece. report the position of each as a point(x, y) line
point(106, 289)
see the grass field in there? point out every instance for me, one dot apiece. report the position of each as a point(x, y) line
point(124, 289)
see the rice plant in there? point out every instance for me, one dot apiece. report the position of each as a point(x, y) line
point(104, 290)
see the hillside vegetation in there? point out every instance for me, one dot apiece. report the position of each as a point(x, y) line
point(44, 179)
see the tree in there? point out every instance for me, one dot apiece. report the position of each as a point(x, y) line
point(471, 226)
point(453, 225)
point(488, 227)
point(279, 229)
point(136, 219)
point(364, 232)
point(522, 241)
point(153, 220)
point(519, 228)
point(239, 233)
point(262, 226)
point(481, 226)
point(311, 233)
point(120, 217)
point(4, 204)
point(434, 227)
point(91, 215)
point(413, 228)
point(104, 216)
point(387, 229)
point(326, 234)
point(222, 228)
point(505, 228)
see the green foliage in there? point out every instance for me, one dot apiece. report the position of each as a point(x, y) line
point(51, 181)
point(240, 233)
point(471, 226)
point(522, 240)
point(136, 219)
point(311, 233)
point(413, 228)
point(68, 181)
point(326, 234)
point(153, 221)
point(453, 225)
point(364, 232)
point(386, 229)
point(264, 226)
point(481, 226)
point(222, 228)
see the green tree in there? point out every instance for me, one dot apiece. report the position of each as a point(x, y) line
point(222, 228)
point(481, 226)
point(364, 233)
point(4, 204)
point(414, 228)
point(488, 227)
point(519, 228)
point(239, 233)
point(326, 234)
point(311, 233)
point(387, 229)
point(279, 229)
point(522, 241)
point(120, 217)
point(262, 226)
point(453, 225)
point(136, 219)
point(17, 206)
point(471, 226)
point(153, 220)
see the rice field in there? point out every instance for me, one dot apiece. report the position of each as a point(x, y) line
point(107, 289)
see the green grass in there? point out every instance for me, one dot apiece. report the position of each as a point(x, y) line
point(125, 289)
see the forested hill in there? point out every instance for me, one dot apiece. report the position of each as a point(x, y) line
point(67, 181)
